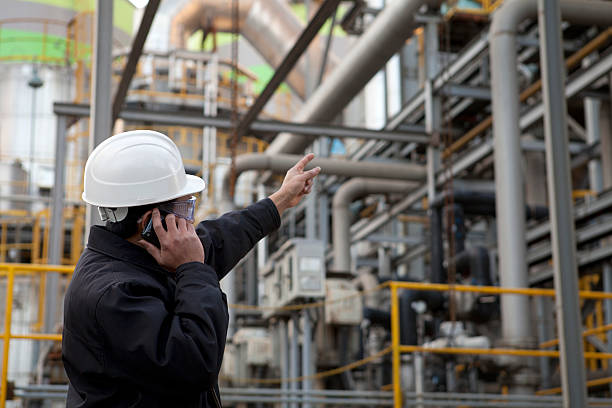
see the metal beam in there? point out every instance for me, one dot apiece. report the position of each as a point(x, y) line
point(469, 55)
point(573, 377)
point(576, 84)
point(466, 91)
point(191, 120)
point(323, 13)
point(135, 53)
point(100, 125)
point(542, 252)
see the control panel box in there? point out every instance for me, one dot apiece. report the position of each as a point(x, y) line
point(295, 273)
point(344, 305)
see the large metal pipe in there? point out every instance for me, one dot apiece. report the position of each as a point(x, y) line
point(269, 25)
point(385, 36)
point(508, 177)
point(341, 215)
point(280, 163)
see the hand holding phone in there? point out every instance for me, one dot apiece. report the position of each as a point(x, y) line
point(149, 235)
point(178, 241)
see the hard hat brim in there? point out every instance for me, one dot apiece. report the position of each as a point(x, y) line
point(194, 185)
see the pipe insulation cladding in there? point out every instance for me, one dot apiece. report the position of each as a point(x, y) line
point(280, 163)
point(341, 216)
point(270, 26)
point(509, 180)
point(383, 38)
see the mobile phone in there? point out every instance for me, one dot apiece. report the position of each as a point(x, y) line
point(149, 235)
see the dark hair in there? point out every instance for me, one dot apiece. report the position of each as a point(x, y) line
point(129, 225)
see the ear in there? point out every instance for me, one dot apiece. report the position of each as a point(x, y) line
point(142, 222)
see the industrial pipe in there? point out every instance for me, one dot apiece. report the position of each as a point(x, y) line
point(470, 202)
point(341, 215)
point(385, 36)
point(408, 316)
point(280, 163)
point(508, 177)
point(269, 25)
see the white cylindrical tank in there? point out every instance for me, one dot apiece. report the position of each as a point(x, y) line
point(27, 122)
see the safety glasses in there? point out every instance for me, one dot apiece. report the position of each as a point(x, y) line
point(184, 208)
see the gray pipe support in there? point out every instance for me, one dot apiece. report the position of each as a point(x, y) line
point(510, 205)
point(280, 163)
point(341, 216)
point(385, 36)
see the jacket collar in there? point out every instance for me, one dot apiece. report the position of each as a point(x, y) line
point(103, 241)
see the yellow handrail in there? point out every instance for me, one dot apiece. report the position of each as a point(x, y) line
point(396, 348)
point(8, 314)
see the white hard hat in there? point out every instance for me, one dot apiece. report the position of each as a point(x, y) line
point(137, 168)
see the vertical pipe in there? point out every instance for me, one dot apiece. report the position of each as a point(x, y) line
point(306, 356)
point(294, 356)
point(395, 344)
point(56, 234)
point(510, 208)
point(592, 107)
point(251, 278)
point(607, 287)
point(262, 245)
point(432, 105)
point(284, 356)
point(323, 198)
point(292, 221)
point(419, 378)
point(543, 315)
point(209, 133)
point(573, 378)
point(7, 334)
point(101, 112)
point(32, 145)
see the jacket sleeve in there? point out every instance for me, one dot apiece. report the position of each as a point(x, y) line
point(228, 238)
point(176, 347)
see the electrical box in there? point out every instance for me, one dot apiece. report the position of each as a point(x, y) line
point(349, 310)
point(294, 273)
point(254, 346)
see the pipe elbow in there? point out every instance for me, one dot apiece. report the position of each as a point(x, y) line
point(509, 15)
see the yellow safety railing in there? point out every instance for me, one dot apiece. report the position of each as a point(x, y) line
point(10, 271)
point(397, 348)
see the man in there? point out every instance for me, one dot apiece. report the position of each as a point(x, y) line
point(145, 326)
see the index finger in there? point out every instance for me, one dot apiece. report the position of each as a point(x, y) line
point(304, 161)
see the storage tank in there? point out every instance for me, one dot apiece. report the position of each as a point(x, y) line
point(40, 47)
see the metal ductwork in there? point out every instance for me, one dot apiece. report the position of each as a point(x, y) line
point(385, 36)
point(269, 25)
point(280, 163)
point(341, 215)
point(510, 204)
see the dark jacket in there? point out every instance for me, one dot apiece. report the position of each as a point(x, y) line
point(136, 336)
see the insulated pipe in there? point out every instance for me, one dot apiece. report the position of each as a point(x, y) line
point(385, 36)
point(508, 177)
point(280, 163)
point(270, 26)
point(471, 202)
point(341, 215)
point(408, 316)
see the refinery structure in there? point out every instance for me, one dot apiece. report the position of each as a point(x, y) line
point(456, 249)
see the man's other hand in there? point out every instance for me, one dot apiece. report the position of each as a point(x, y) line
point(179, 244)
point(296, 184)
